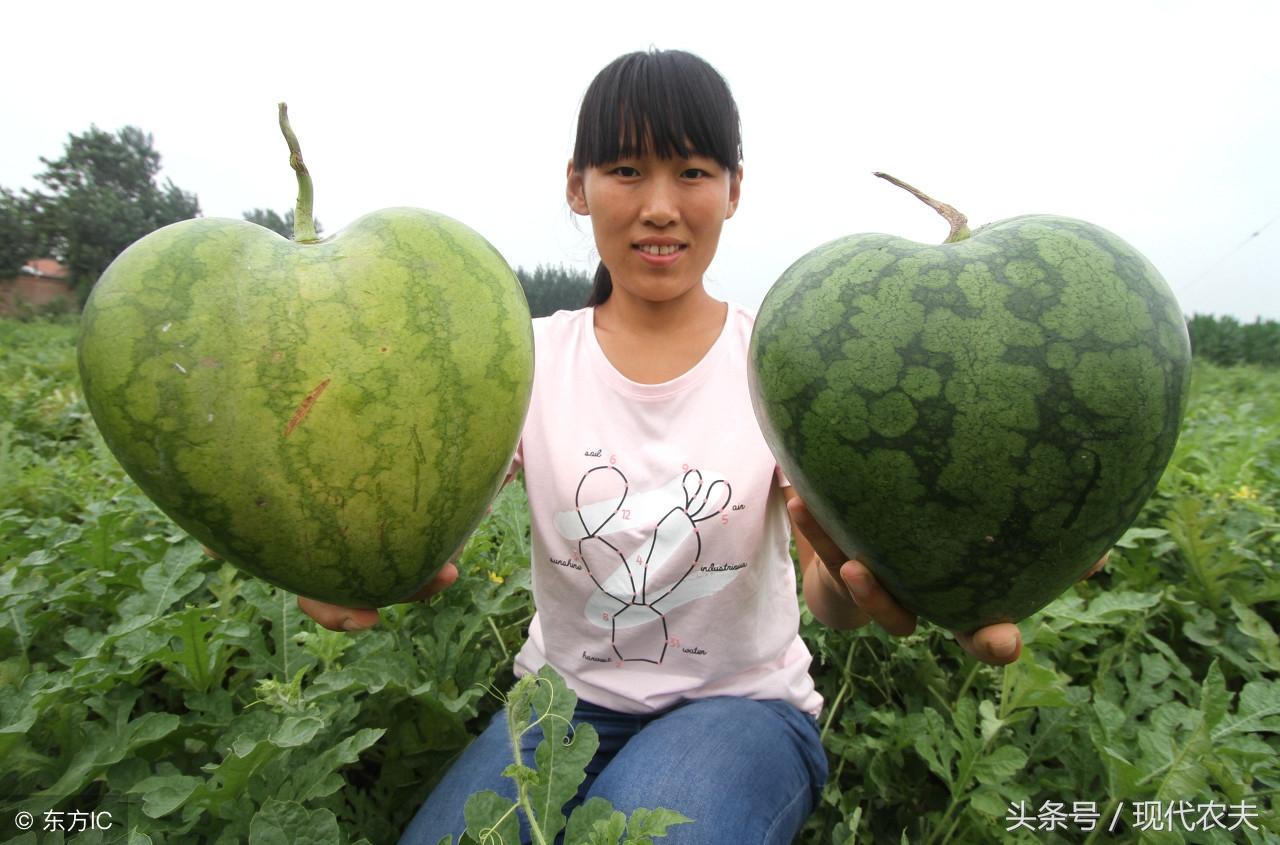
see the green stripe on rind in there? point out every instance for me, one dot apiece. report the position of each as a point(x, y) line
point(980, 421)
point(199, 348)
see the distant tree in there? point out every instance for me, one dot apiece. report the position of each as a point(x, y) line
point(1216, 339)
point(101, 196)
point(283, 226)
point(1223, 340)
point(1262, 342)
point(17, 242)
point(552, 289)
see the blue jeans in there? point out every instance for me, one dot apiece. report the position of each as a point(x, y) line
point(747, 772)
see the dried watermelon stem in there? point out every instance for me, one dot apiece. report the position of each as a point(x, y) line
point(304, 225)
point(958, 222)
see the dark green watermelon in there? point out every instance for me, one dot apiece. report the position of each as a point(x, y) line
point(978, 421)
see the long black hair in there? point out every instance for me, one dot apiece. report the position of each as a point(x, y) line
point(668, 98)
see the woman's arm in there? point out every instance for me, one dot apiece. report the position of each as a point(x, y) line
point(836, 598)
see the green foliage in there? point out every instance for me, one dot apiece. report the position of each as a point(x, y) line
point(552, 289)
point(17, 241)
point(561, 757)
point(282, 226)
point(141, 678)
point(101, 196)
point(1224, 340)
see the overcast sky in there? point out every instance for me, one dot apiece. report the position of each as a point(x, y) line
point(1157, 120)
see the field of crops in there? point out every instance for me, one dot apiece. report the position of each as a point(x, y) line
point(142, 679)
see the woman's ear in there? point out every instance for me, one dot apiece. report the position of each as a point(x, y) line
point(735, 191)
point(575, 190)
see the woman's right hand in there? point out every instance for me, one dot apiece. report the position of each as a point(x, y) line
point(335, 617)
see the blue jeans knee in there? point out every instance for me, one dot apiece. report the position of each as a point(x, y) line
point(747, 771)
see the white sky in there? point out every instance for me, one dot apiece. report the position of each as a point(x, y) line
point(1157, 120)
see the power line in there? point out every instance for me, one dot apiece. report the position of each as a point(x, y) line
point(1215, 265)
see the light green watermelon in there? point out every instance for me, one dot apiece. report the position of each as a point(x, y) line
point(333, 417)
point(978, 421)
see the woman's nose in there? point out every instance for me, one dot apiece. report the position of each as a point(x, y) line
point(661, 206)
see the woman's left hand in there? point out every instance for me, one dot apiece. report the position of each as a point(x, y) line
point(996, 644)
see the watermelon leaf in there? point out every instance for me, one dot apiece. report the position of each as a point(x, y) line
point(491, 818)
point(645, 825)
point(595, 822)
point(562, 755)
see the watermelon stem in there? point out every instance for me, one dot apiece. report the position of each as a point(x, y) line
point(958, 222)
point(304, 225)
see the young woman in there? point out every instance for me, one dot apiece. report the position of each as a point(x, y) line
point(662, 579)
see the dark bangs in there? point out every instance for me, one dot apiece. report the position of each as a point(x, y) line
point(670, 99)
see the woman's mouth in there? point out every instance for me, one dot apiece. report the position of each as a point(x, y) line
point(660, 255)
point(659, 249)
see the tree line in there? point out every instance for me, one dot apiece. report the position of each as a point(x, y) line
point(101, 195)
point(551, 289)
point(1227, 341)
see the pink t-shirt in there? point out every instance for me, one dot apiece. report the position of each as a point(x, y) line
point(661, 563)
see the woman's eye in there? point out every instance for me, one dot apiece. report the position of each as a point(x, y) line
point(625, 170)
point(695, 173)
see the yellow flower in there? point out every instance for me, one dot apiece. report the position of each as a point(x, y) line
point(496, 578)
point(1245, 493)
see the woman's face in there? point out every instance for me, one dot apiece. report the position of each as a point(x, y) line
point(656, 221)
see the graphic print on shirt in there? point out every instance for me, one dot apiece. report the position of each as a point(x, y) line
point(636, 588)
